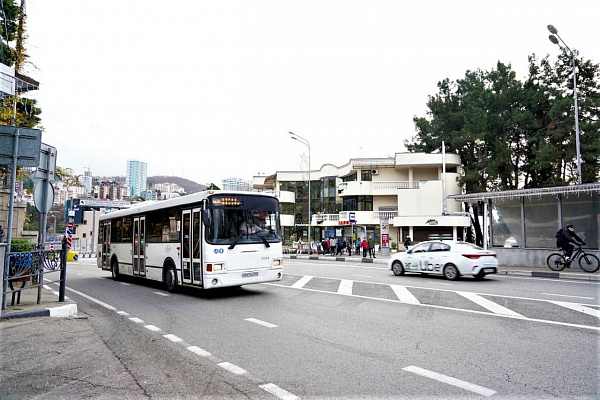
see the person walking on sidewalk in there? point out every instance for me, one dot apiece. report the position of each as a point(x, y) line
point(371, 247)
point(565, 237)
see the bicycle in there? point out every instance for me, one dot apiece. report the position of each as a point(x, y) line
point(587, 261)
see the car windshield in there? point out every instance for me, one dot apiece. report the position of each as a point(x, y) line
point(255, 220)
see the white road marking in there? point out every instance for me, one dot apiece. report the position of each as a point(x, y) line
point(259, 322)
point(161, 294)
point(303, 281)
point(577, 307)
point(277, 391)
point(197, 350)
point(451, 381)
point(124, 283)
point(137, 320)
point(173, 338)
point(488, 305)
point(345, 287)
point(404, 295)
point(566, 295)
point(94, 300)
point(152, 328)
point(561, 280)
point(232, 368)
point(364, 276)
point(124, 313)
point(80, 274)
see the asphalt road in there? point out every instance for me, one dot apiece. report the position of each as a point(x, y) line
point(357, 331)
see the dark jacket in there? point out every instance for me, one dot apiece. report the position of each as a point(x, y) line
point(567, 237)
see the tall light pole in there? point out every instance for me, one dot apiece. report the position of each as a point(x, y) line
point(554, 40)
point(307, 144)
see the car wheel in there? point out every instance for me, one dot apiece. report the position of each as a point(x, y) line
point(451, 272)
point(398, 268)
point(170, 278)
point(114, 269)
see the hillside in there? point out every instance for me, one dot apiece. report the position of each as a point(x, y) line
point(189, 186)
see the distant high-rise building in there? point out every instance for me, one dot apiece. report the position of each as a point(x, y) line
point(136, 177)
point(236, 184)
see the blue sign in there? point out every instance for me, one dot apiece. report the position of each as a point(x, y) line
point(352, 217)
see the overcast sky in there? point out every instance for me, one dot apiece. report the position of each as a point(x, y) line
point(207, 90)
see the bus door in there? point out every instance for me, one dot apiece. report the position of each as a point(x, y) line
point(105, 249)
point(139, 246)
point(191, 262)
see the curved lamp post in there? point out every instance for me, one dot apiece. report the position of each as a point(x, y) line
point(566, 48)
point(307, 144)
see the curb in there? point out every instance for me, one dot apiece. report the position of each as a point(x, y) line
point(67, 310)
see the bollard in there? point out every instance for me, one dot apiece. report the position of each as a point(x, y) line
point(63, 271)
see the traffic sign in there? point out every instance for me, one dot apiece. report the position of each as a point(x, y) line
point(43, 196)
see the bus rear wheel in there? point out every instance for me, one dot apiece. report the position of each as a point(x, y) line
point(170, 278)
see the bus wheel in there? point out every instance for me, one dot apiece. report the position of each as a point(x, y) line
point(114, 269)
point(170, 278)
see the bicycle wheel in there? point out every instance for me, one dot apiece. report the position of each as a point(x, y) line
point(589, 262)
point(556, 262)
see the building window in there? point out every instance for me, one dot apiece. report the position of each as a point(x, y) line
point(366, 175)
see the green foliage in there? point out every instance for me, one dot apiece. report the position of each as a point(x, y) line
point(19, 245)
point(512, 134)
point(212, 186)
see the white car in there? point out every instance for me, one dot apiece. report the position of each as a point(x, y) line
point(449, 258)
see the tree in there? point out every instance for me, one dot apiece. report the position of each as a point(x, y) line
point(511, 134)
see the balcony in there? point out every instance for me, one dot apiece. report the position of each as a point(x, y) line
point(343, 218)
point(375, 188)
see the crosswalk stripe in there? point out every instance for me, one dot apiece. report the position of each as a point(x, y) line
point(345, 287)
point(489, 305)
point(577, 307)
point(303, 281)
point(404, 295)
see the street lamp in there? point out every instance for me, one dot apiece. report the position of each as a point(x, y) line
point(307, 144)
point(554, 40)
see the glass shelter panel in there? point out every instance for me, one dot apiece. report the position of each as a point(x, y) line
point(583, 211)
point(506, 223)
point(541, 221)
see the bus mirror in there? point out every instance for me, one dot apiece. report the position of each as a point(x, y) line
point(206, 217)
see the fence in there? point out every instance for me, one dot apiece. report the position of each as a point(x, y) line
point(31, 266)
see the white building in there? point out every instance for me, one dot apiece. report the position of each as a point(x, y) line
point(356, 199)
point(236, 184)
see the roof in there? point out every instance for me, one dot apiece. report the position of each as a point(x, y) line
point(512, 194)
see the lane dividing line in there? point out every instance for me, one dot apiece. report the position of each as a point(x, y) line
point(90, 298)
point(404, 295)
point(450, 381)
point(124, 283)
point(303, 281)
point(173, 338)
point(577, 307)
point(123, 313)
point(489, 305)
point(345, 286)
point(234, 369)
point(277, 391)
point(161, 294)
point(198, 351)
point(152, 328)
point(259, 322)
point(136, 320)
point(566, 295)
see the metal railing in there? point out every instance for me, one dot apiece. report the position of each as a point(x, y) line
point(30, 266)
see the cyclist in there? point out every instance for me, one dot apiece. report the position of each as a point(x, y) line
point(565, 238)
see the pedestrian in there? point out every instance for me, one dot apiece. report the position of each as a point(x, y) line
point(371, 247)
point(299, 246)
point(349, 246)
point(365, 245)
point(318, 247)
point(357, 244)
point(407, 242)
point(333, 245)
point(324, 247)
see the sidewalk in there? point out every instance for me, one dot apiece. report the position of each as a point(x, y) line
point(29, 307)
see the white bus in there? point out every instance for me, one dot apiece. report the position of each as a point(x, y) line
point(200, 240)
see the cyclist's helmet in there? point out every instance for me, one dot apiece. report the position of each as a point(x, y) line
point(570, 226)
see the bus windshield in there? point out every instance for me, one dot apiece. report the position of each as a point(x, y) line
point(246, 220)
